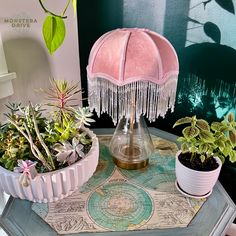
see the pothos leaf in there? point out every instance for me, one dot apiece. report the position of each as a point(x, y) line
point(53, 32)
point(190, 132)
point(74, 4)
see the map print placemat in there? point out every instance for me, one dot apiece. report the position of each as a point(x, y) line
point(119, 200)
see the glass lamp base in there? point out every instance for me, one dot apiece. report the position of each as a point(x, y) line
point(131, 145)
point(130, 165)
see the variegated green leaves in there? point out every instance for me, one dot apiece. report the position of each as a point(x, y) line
point(190, 132)
point(200, 138)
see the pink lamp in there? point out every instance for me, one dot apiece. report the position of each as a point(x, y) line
point(132, 72)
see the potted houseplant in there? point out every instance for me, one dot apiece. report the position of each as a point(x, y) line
point(204, 148)
point(46, 157)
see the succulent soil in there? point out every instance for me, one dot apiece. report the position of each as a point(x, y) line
point(196, 163)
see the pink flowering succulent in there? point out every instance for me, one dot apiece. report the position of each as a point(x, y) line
point(28, 170)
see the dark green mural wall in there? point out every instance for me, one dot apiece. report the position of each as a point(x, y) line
point(203, 34)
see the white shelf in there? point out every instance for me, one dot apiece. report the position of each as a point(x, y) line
point(9, 76)
point(6, 88)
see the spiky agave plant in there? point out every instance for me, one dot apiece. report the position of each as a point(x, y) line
point(61, 96)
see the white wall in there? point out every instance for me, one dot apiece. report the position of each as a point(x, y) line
point(26, 53)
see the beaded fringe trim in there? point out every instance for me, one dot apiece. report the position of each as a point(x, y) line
point(147, 98)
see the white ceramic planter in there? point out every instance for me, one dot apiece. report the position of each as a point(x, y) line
point(196, 183)
point(55, 185)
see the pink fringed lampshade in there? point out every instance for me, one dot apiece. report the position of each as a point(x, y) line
point(135, 65)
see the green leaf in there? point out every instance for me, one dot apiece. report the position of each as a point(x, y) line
point(193, 149)
point(230, 117)
point(232, 137)
point(202, 157)
point(232, 156)
point(220, 144)
point(190, 132)
point(206, 135)
point(53, 32)
point(74, 4)
point(13, 150)
point(227, 150)
point(181, 139)
point(9, 164)
point(184, 147)
point(202, 124)
point(58, 128)
point(216, 126)
point(222, 158)
point(182, 121)
point(203, 147)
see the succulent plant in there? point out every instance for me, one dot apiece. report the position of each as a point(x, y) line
point(83, 115)
point(28, 170)
point(53, 142)
point(204, 140)
point(61, 97)
point(69, 152)
point(13, 145)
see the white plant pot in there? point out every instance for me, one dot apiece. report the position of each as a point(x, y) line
point(196, 183)
point(55, 185)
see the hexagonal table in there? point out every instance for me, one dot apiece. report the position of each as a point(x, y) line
point(213, 218)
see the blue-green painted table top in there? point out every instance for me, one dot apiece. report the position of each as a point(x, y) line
point(213, 218)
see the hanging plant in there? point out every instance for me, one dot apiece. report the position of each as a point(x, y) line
point(54, 28)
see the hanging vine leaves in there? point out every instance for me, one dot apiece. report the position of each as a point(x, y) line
point(54, 32)
point(74, 4)
point(212, 31)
